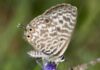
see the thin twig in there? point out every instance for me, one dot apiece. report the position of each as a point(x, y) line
point(85, 66)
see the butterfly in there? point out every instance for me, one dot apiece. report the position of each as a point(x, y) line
point(50, 33)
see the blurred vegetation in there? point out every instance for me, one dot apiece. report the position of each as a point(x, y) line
point(84, 46)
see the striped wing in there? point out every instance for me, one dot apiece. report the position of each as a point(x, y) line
point(63, 19)
point(50, 33)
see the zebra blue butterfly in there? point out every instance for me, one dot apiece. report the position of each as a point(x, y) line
point(50, 33)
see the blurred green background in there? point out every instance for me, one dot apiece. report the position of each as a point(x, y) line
point(84, 46)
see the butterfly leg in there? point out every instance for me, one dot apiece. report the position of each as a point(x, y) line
point(39, 62)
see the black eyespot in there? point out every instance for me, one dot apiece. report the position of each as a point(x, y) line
point(30, 29)
point(28, 36)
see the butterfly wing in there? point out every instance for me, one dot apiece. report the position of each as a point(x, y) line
point(50, 33)
point(63, 17)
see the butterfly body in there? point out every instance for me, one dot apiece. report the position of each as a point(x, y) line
point(50, 33)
